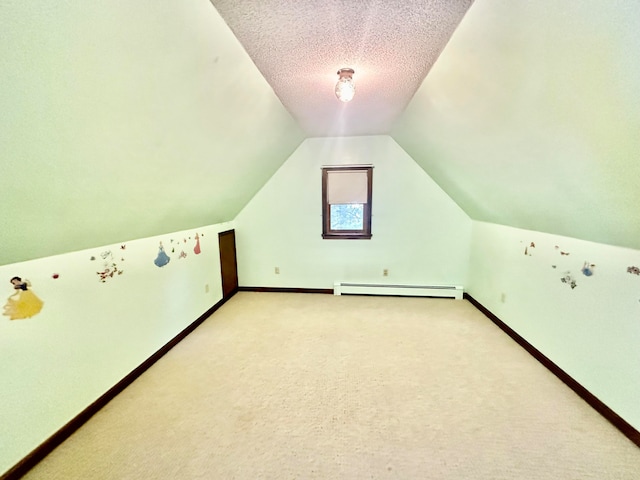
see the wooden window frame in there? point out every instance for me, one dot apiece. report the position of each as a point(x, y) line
point(365, 232)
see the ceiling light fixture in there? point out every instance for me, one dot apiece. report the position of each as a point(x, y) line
point(345, 88)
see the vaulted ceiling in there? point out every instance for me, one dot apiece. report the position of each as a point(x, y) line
point(526, 113)
point(124, 120)
point(299, 47)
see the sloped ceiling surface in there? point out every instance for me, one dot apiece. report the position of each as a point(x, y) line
point(531, 118)
point(124, 120)
point(300, 45)
point(528, 115)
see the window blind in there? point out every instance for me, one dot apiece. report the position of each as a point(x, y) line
point(347, 187)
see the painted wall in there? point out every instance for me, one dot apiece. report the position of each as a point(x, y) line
point(591, 331)
point(90, 334)
point(531, 117)
point(419, 234)
point(127, 119)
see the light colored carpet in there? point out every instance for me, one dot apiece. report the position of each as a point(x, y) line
point(308, 386)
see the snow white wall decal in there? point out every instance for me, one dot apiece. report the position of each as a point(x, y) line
point(23, 303)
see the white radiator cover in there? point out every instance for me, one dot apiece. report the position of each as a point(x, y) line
point(340, 288)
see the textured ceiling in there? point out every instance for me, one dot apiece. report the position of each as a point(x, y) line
point(299, 46)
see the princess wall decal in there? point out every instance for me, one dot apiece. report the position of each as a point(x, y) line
point(162, 259)
point(196, 249)
point(23, 303)
point(587, 269)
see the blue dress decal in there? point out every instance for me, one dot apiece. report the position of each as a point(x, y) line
point(162, 259)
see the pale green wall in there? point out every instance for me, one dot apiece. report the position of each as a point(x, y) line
point(531, 117)
point(592, 332)
point(127, 119)
point(419, 234)
point(89, 335)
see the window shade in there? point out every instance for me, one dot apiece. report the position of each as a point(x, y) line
point(347, 186)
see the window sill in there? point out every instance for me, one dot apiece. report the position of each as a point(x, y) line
point(346, 236)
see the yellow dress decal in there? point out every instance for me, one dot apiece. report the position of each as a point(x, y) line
point(23, 303)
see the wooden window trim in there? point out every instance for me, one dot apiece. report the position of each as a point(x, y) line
point(365, 233)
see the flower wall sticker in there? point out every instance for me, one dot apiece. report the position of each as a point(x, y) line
point(23, 303)
point(109, 267)
point(568, 279)
point(527, 249)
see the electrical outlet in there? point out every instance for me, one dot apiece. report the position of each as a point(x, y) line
point(277, 270)
point(385, 272)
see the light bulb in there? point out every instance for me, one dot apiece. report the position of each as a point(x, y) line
point(345, 88)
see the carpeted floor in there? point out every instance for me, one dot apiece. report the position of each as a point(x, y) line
point(304, 386)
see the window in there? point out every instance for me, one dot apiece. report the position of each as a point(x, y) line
point(346, 202)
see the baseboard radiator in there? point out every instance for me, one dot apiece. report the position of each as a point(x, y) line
point(445, 291)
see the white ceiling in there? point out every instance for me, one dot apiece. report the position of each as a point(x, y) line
point(526, 116)
point(299, 46)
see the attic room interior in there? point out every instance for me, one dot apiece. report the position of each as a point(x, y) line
point(502, 139)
